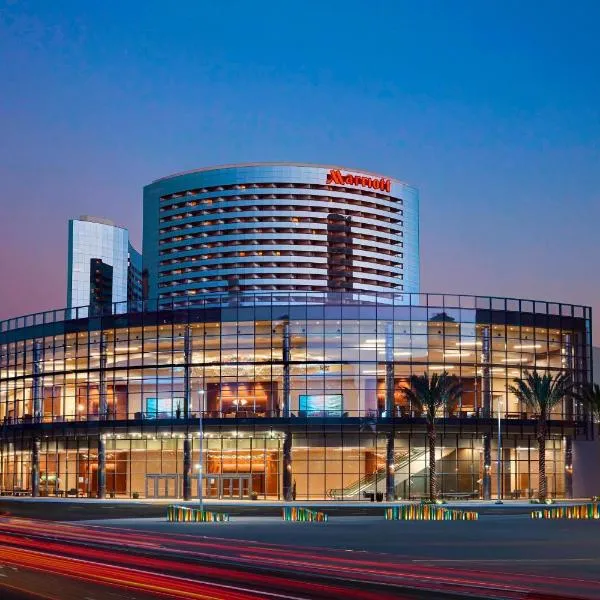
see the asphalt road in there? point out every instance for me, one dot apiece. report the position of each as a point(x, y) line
point(357, 554)
point(55, 561)
point(511, 543)
point(17, 583)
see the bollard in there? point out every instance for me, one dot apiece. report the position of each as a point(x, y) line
point(428, 513)
point(302, 515)
point(576, 511)
point(187, 514)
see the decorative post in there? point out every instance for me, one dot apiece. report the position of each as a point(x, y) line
point(286, 370)
point(390, 469)
point(37, 381)
point(486, 404)
point(101, 467)
point(35, 467)
point(288, 491)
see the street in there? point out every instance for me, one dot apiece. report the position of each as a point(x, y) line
point(361, 557)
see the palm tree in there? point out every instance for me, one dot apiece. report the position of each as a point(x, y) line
point(590, 396)
point(541, 394)
point(428, 395)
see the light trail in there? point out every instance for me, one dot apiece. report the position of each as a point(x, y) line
point(241, 563)
point(152, 575)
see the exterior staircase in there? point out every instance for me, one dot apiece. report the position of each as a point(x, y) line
point(368, 484)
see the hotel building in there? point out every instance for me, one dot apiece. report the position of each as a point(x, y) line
point(279, 226)
point(277, 368)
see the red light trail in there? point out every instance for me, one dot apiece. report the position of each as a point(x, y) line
point(210, 568)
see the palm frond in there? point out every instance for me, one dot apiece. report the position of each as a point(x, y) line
point(590, 396)
point(542, 393)
point(428, 394)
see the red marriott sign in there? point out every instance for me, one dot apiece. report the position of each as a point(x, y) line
point(337, 177)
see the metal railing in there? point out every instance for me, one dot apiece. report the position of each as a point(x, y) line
point(369, 415)
point(372, 479)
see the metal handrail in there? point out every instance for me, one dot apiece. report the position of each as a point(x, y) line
point(355, 488)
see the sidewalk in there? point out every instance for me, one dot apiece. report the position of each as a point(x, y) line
point(350, 504)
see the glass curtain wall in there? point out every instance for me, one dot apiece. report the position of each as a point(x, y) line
point(334, 360)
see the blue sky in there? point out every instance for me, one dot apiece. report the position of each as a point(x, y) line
point(490, 108)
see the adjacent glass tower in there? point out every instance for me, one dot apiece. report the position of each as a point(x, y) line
point(103, 267)
point(253, 228)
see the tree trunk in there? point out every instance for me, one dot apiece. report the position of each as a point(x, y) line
point(433, 487)
point(542, 461)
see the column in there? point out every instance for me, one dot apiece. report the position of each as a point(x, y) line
point(567, 365)
point(187, 469)
point(287, 479)
point(569, 467)
point(390, 469)
point(507, 488)
point(101, 467)
point(187, 359)
point(37, 381)
point(486, 412)
point(487, 467)
point(103, 408)
point(389, 370)
point(286, 370)
point(486, 378)
point(35, 467)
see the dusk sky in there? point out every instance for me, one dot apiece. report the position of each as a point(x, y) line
point(491, 109)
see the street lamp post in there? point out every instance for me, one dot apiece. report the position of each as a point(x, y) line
point(499, 466)
point(201, 442)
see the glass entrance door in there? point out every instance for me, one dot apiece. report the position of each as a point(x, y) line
point(213, 488)
point(236, 486)
point(162, 486)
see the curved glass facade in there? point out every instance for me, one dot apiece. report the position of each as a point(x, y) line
point(300, 396)
point(96, 239)
point(277, 226)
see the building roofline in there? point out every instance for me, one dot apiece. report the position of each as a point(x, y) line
point(277, 164)
point(97, 221)
point(49, 317)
